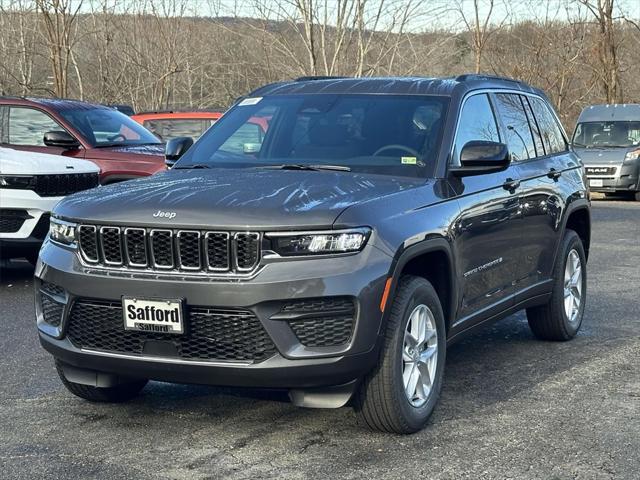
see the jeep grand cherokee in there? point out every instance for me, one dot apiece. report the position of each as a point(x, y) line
point(378, 221)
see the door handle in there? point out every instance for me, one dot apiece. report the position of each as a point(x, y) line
point(511, 184)
point(554, 174)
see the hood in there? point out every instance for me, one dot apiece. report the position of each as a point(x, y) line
point(602, 156)
point(18, 162)
point(138, 149)
point(232, 199)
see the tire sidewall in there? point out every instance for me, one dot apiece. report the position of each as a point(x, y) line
point(422, 293)
point(572, 242)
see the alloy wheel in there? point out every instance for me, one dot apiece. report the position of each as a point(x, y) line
point(573, 286)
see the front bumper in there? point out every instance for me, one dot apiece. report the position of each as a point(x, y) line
point(33, 225)
point(625, 179)
point(294, 365)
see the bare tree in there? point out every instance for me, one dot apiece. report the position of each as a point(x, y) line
point(606, 47)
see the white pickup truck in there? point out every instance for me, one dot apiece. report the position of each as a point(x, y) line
point(30, 185)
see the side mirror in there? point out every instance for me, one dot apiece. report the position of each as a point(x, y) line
point(61, 139)
point(175, 148)
point(479, 157)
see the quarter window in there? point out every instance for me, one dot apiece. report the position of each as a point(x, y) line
point(27, 126)
point(477, 122)
point(514, 118)
point(551, 134)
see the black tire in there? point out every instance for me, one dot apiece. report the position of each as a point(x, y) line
point(117, 394)
point(381, 402)
point(550, 321)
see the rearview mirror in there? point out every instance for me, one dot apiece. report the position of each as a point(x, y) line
point(175, 148)
point(479, 157)
point(60, 139)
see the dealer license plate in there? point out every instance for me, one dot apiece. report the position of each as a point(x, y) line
point(595, 182)
point(152, 315)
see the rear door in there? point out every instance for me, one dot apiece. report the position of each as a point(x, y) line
point(487, 236)
point(544, 177)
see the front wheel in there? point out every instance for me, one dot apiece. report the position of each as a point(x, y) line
point(561, 317)
point(402, 391)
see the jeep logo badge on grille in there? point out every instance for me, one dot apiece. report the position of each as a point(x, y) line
point(161, 214)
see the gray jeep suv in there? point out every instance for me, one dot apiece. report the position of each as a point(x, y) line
point(335, 253)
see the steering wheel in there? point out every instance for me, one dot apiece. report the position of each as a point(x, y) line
point(394, 146)
point(113, 138)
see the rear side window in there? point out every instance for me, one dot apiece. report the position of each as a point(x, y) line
point(167, 129)
point(27, 126)
point(518, 133)
point(477, 122)
point(550, 130)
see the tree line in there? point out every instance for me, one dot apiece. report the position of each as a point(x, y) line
point(191, 54)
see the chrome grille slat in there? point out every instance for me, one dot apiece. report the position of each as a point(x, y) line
point(170, 250)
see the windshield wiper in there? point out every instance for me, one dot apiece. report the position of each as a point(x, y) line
point(315, 168)
point(191, 167)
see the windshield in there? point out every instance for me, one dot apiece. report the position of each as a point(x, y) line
point(105, 127)
point(607, 134)
point(383, 134)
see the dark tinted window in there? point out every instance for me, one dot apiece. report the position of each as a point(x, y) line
point(551, 134)
point(385, 134)
point(27, 126)
point(477, 122)
point(519, 138)
point(537, 137)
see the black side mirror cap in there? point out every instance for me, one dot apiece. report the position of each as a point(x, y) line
point(60, 139)
point(480, 157)
point(175, 148)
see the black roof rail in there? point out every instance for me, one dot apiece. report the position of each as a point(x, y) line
point(320, 77)
point(479, 76)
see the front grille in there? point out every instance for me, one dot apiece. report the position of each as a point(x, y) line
point(210, 334)
point(320, 322)
point(166, 250)
point(64, 184)
point(12, 220)
point(51, 307)
point(604, 171)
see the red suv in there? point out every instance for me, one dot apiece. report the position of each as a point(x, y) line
point(121, 147)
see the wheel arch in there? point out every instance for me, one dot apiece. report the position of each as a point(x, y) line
point(432, 260)
point(578, 219)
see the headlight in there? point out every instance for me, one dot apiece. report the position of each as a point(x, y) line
point(62, 232)
point(632, 155)
point(319, 243)
point(22, 182)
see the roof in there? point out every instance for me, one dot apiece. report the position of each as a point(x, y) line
point(54, 103)
point(620, 112)
point(390, 85)
point(210, 115)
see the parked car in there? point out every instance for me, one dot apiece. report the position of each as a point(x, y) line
point(30, 185)
point(378, 221)
point(607, 139)
point(169, 125)
point(121, 147)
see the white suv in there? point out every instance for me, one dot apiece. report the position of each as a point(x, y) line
point(30, 185)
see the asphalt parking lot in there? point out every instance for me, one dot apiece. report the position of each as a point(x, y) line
point(512, 406)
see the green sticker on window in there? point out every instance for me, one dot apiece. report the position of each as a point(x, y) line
point(409, 160)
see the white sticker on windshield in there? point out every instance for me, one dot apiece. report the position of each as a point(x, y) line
point(249, 101)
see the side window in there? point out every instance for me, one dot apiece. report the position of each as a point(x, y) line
point(4, 124)
point(551, 134)
point(514, 118)
point(537, 137)
point(477, 122)
point(27, 126)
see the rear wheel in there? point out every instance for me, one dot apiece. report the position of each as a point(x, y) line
point(561, 317)
point(402, 391)
point(116, 394)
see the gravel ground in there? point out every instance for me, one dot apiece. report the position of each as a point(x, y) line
point(511, 407)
